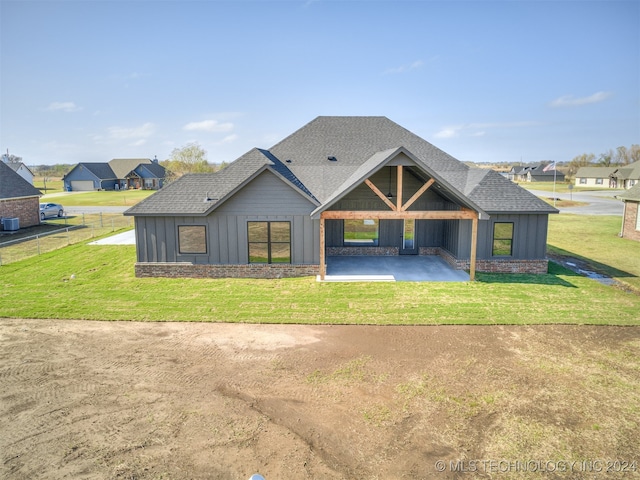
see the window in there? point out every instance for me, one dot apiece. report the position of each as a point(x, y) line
point(598, 181)
point(360, 233)
point(269, 242)
point(638, 217)
point(502, 239)
point(192, 239)
point(583, 181)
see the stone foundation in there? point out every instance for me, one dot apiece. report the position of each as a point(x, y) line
point(362, 251)
point(494, 265)
point(189, 270)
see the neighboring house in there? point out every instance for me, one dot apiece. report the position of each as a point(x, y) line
point(631, 215)
point(535, 173)
point(18, 198)
point(117, 174)
point(625, 176)
point(22, 170)
point(339, 186)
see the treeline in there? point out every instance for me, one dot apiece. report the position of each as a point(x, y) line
point(611, 158)
point(191, 158)
point(59, 170)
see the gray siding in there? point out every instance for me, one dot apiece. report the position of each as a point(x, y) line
point(267, 199)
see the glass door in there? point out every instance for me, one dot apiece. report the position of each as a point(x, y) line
point(409, 243)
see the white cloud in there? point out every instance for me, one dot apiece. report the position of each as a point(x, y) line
point(571, 101)
point(477, 129)
point(63, 107)
point(136, 133)
point(404, 68)
point(209, 126)
point(228, 139)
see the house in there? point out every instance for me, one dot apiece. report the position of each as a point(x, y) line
point(631, 215)
point(339, 186)
point(18, 198)
point(625, 176)
point(117, 174)
point(536, 173)
point(22, 170)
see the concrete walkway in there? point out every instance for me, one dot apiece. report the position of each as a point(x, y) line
point(403, 268)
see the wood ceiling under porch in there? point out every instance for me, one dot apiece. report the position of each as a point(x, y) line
point(398, 209)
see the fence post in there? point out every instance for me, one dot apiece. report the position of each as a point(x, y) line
point(68, 239)
point(0, 259)
point(101, 225)
point(83, 219)
point(38, 242)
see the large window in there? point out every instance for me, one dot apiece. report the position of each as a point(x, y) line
point(599, 181)
point(192, 239)
point(502, 239)
point(360, 232)
point(269, 242)
point(583, 181)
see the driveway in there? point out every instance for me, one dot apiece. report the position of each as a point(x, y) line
point(599, 202)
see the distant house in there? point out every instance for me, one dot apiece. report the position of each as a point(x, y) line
point(625, 176)
point(18, 198)
point(339, 186)
point(117, 174)
point(535, 173)
point(631, 215)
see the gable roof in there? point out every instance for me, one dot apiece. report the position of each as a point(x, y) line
point(628, 172)
point(12, 185)
point(100, 170)
point(358, 146)
point(154, 168)
point(595, 172)
point(123, 166)
point(633, 194)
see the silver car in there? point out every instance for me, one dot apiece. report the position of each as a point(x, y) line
point(51, 210)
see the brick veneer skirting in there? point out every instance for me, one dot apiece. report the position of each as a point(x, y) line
point(189, 270)
point(494, 265)
point(26, 210)
point(362, 251)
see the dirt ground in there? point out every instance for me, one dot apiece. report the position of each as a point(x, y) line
point(131, 400)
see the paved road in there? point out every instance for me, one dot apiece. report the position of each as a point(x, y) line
point(600, 202)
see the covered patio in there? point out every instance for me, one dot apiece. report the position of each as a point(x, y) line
point(410, 268)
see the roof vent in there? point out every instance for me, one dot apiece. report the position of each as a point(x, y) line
point(332, 159)
point(288, 160)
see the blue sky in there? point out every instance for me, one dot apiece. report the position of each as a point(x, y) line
point(484, 81)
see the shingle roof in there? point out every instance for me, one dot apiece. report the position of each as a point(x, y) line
point(633, 194)
point(13, 185)
point(628, 172)
point(155, 168)
point(357, 143)
point(123, 166)
point(595, 172)
point(101, 170)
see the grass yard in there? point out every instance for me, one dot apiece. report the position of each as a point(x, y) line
point(111, 198)
point(561, 187)
point(594, 239)
point(98, 283)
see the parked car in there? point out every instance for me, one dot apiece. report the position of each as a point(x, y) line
point(51, 210)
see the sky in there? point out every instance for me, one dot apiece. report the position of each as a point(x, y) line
point(485, 81)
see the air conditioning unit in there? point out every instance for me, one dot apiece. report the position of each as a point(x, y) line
point(11, 224)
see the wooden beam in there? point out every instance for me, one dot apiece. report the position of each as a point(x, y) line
point(474, 247)
point(322, 252)
point(387, 215)
point(417, 195)
point(399, 187)
point(382, 196)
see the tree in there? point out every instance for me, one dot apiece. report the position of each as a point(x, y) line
point(634, 153)
point(583, 160)
point(606, 158)
point(191, 158)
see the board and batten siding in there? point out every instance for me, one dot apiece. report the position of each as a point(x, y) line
point(266, 198)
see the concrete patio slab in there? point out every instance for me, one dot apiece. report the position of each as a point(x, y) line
point(404, 268)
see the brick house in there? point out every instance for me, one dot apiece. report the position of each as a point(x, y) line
point(339, 186)
point(631, 215)
point(18, 198)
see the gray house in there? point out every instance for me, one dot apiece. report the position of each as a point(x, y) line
point(117, 174)
point(339, 186)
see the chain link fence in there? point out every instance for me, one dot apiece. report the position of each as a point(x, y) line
point(59, 233)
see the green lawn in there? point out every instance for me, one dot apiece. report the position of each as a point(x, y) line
point(561, 187)
point(100, 199)
point(594, 238)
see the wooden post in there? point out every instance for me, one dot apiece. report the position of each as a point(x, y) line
point(474, 247)
point(399, 188)
point(322, 253)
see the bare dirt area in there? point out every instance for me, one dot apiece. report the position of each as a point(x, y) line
point(223, 401)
